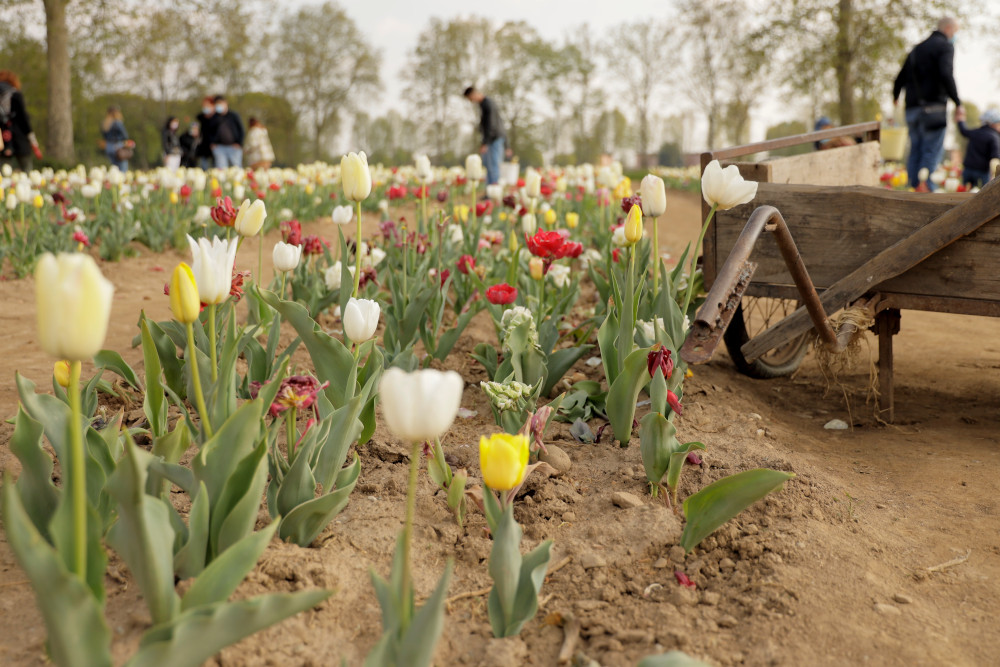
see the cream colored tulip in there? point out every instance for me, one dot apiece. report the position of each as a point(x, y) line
point(654, 196)
point(725, 188)
point(285, 256)
point(250, 220)
point(474, 167)
point(361, 319)
point(355, 177)
point(422, 405)
point(73, 304)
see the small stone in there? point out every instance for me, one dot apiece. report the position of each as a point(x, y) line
point(899, 598)
point(727, 564)
point(625, 500)
point(727, 621)
point(677, 554)
point(887, 609)
point(817, 514)
point(594, 362)
point(836, 425)
point(682, 596)
point(590, 560)
point(881, 506)
point(710, 598)
point(635, 637)
point(556, 458)
point(754, 415)
point(569, 517)
point(661, 563)
point(590, 605)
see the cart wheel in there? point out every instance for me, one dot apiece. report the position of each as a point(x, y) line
point(752, 317)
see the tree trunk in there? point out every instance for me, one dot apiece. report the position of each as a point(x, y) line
point(845, 65)
point(60, 125)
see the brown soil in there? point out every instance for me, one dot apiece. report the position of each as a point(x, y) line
point(845, 566)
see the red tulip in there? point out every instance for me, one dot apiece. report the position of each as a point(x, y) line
point(501, 294)
point(466, 263)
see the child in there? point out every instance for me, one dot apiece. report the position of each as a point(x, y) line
point(984, 145)
point(258, 152)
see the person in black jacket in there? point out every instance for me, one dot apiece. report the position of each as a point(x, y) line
point(171, 143)
point(491, 127)
point(929, 81)
point(203, 150)
point(18, 139)
point(225, 135)
point(984, 146)
point(190, 141)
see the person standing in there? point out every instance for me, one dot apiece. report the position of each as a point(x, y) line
point(203, 150)
point(493, 137)
point(171, 143)
point(928, 77)
point(259, 153)
point(19, 142)
point(983, 148)
point(189, 143)
point(117, 146)
point(225, 135)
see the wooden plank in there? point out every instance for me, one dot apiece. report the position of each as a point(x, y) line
point(847, 165)
point(886, 326)
point(906, 253)
point(868, 130)
point(839, 229)
point(898, 300)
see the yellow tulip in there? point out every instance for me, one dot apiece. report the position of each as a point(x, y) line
point(550, 217)
point(61, 373)
point(173, 197)
point(184, 300)
point(214, 183)
point(623, 189)
point(572, 219)
point(461, 213)
point(38, 201)
point(503, 459)
point(503, 216)
point(633, 225)
point(537, 267)
point(73, 305)
point(309, 188)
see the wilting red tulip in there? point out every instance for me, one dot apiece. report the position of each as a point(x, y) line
point(616, 255)
point(223, 212)
point(236, 285)
point(442, 195)
point(291, 232)
point(311, 245)
point(296, 391)
point(484, 207)
point(629, 202)
point(274, 186)
point(659, 358)
point(693, 459)
point(445, 274)
point(466, 263)
point(501, 294)
point(81, 238)
point(675, 403)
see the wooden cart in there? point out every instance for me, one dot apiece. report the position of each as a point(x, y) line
point(847, 242)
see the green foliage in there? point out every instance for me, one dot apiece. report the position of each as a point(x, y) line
point(517, 579)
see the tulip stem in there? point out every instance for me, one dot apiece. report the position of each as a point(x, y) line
point(77, 475)
point(290, 433)
point(406, 254)
point(656, 265)
point(357, 256)
point(411, 509)
point(260, 257)
point(423, 209)
point(283, 275)
point(694, 261)
point(199, 397)
point(211, 342)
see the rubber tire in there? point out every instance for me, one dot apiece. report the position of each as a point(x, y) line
point(736, 336)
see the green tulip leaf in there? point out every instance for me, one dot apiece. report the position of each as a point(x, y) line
point(191, 558)
point(35, 481)
point(113, 361)
point(305, 522)
point(222, 577)
point(624, 393)
point(722, 500)
point(655, 436)
point(235, 513)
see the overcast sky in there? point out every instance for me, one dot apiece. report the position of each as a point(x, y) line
point(393, 26)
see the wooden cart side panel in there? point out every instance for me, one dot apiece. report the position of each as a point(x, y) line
point(846, 165)
point(839, 229)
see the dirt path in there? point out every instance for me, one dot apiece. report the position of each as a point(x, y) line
point(838, 569)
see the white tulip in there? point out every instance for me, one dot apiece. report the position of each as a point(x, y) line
point(212, 265)
point(559, 275)
point(250, 219)
point(202, 215)
point(618, 237)
point(422, 168)
point(725, 188)
point(494, 192)
point(474, 167)
point(332, 276)
point(455, 234)
point(6, 170)
point(11, 201)
point(528, 223)
point(532, 182)
point(285, 256)
point(355, 177)
point(89, 190)
point(361, 319)
point(343, 214)
point(73, 304)
point(375, 257)
point(654, 196)
point(420, 406)
point(238, 192)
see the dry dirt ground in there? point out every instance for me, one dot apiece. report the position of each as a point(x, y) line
point(883, 550)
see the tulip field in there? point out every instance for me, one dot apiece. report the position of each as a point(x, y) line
point(391, 415)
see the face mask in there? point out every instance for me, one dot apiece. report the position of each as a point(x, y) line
point(220, 108)
point(207, 110)
point(954, 39)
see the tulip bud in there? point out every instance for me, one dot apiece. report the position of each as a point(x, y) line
point(550, 217)
point(60, 371)
point(572, 219)
point(532, 182)
point(503, 459)
point(537, 267)
point(654, 196)
point(285, 256)
point(73, 304)
point(528, 224)
point(355, 176)
point(923, 175)
point(422, 168)
point(633, 225)
point(361, 319)
point(342, 214)
point(422, 405)
point(184, 301)
point(474, 167)
point(250, 219)
point(38, 201)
